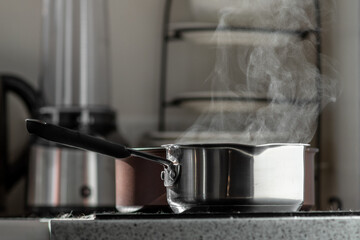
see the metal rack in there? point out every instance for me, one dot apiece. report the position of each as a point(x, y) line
point(177, 35)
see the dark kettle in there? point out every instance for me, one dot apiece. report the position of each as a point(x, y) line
point(11, 173)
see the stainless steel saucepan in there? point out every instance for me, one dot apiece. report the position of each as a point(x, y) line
point(211, 177)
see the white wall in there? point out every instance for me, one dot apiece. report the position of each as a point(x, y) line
point(340, 148)
point(136, 37)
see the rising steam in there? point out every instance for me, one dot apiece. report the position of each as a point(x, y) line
point(279, 77)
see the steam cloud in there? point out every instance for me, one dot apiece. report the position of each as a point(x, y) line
point(282, 70)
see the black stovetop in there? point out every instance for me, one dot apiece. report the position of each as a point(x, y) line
point(168, 215)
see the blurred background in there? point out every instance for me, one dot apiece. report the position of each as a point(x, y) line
point(135, 28)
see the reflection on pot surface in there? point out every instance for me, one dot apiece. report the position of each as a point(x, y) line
point(138, 182)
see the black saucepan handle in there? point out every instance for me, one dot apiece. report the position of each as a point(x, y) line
point(12, 172)
point(75, 139)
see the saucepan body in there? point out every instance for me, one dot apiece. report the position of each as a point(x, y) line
point(222, 177)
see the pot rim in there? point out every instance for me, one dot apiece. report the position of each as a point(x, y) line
point(149, 148)
point(232, 145)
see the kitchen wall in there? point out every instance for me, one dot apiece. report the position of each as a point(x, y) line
point(340, 130)
point(19, 54)
point(135, 37)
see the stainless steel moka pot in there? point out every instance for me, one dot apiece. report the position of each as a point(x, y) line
point(75, 89)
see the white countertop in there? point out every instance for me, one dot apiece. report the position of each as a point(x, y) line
point(258, 227)
point(328, 226)
point(20, 228)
